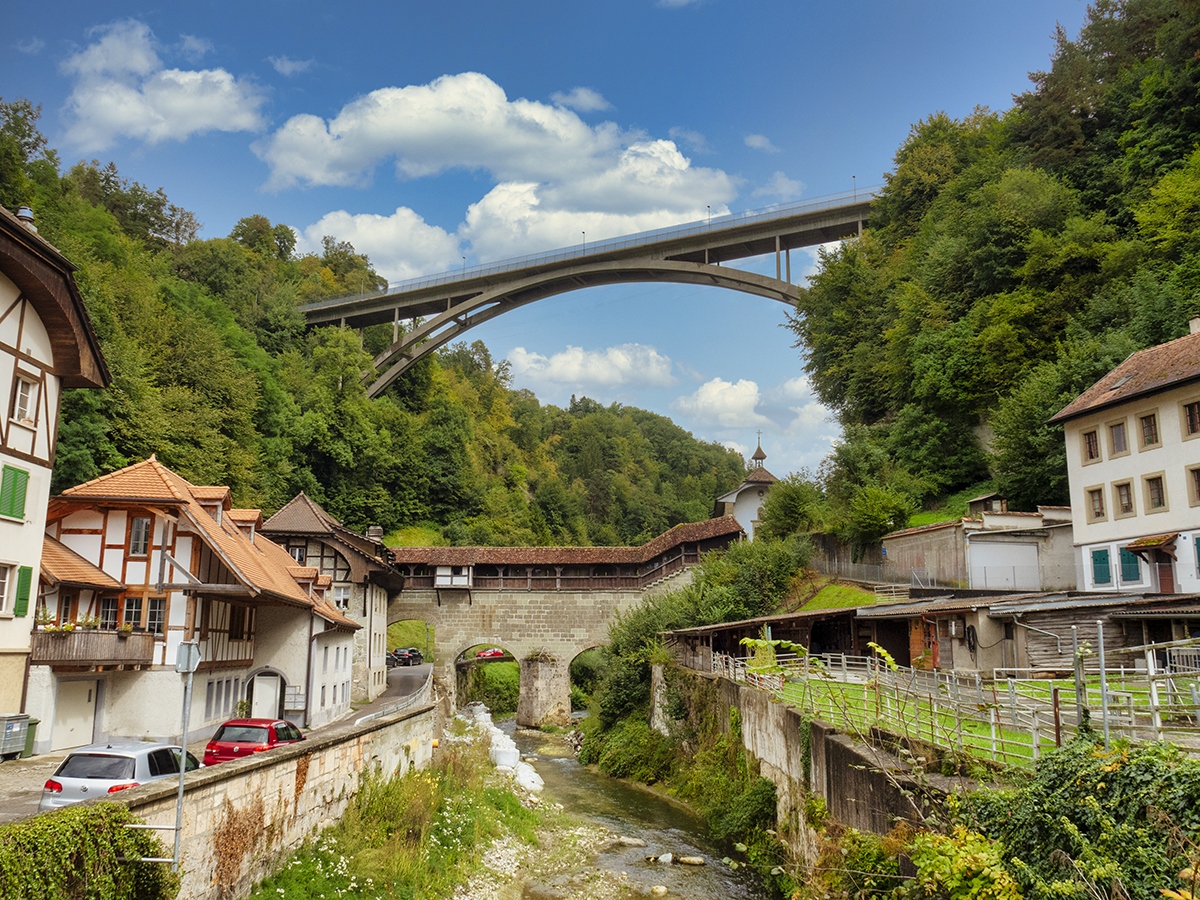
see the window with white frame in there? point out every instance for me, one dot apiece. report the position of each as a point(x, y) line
point(139, 536)
point(8, 586)
point(341, 597)
point(1118, 440)
point(25, 399)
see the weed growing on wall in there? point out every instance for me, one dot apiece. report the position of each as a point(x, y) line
point(83, 853)
point(410, 836)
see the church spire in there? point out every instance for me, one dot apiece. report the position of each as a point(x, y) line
point(759, 456)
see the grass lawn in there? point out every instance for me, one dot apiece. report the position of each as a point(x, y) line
point(952, 507)
point(840, 596)
point(410, 633)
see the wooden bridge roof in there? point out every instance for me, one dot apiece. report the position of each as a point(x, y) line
point(689, 533)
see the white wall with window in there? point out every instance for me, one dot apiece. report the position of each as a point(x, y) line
point(28, 412)
point(333, 650)
point(1134, 470)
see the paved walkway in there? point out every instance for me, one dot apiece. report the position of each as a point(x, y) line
point(21, 780)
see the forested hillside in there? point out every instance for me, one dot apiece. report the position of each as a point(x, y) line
point(1011, 260)
point(213, 371)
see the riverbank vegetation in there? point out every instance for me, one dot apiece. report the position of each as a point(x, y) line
point(1091, 824)
point(696, 761)
point(411, 836)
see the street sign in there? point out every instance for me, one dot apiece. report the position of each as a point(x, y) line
point(187, 658)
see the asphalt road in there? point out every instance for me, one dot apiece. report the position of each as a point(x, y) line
point(21, 780)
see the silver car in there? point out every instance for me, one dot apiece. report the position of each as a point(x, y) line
point(110, 767)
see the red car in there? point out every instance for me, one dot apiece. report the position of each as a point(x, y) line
point(489, 653)
point(239, 738)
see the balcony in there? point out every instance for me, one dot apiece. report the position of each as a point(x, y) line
point(86, 648)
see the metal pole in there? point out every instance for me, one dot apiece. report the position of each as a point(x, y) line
point(1103, 682)
point(187, 709)
point(1155, 715)
point(1077, 665)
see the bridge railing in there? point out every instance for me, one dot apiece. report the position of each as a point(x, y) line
point(626, 242)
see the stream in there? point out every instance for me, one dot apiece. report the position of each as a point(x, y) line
point(634, 812)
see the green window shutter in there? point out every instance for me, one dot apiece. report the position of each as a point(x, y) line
point(13, 484)
point(1101, 573)
point(24, 584)
point(1131, 569)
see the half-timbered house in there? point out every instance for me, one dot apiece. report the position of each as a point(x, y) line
point(46, 344)
point(363, 580)
point(190, 567)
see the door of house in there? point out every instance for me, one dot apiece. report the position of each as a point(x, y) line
point(1166, 573)
point(74, 714)
point(265, 704)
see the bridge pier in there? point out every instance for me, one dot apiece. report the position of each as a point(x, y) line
point(545, 691)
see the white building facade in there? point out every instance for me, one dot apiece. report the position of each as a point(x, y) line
point(46, 343)
point(1133, 462)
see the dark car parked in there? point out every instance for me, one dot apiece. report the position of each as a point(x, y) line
point(239, 738)
point(408, 656)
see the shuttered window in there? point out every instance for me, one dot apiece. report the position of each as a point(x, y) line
point(13, 485)
point(1131, 569)
point(1101, 572)
point(24, 586)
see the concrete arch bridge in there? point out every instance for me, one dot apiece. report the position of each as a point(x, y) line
point(454, 302)
point(545, 605)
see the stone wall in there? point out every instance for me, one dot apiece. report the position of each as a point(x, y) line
point(863, 786)
point(553, 626)
point(242, 818)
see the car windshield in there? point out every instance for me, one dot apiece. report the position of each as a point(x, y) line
point(241, 734)
point(96, 765)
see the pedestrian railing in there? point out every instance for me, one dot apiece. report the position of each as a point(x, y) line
point(1011, 719)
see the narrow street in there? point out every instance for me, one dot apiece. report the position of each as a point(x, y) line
point(21, 780)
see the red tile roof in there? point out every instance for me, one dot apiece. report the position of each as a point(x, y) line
point(693, 532)
point(260, 565)
point(62, 565)
point(759, 476)
point(1145, 372)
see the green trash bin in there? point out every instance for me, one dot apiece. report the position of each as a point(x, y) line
point(30, 734)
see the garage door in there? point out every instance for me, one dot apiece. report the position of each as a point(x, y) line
point(74, 714)
point(1004, 566)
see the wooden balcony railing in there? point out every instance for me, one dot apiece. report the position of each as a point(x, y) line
point(89, 647)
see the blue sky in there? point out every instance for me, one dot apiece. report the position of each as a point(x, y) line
point(425, 133)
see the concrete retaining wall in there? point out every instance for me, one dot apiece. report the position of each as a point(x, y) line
point(863, 786)
point(242, 818)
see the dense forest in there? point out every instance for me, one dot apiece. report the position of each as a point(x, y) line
point(214, 371)
point(1011, 260)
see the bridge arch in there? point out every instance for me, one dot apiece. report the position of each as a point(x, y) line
point(493, 301)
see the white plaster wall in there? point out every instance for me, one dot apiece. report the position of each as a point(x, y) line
point(745, 508)
point(332, 675)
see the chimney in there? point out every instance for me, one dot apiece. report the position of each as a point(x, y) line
point(1194, 324)
point(375, 533)
point(25, 215)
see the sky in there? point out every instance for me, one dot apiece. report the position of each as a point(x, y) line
point(434, 136)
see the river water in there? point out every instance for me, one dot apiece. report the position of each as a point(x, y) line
point(634, 812)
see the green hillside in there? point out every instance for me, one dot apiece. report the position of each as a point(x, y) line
point(213, 371)
point(1011, 260)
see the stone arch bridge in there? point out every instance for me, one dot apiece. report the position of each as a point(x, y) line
point(545, 605)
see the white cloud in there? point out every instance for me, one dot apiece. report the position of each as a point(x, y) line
point(31, 46)
point(122, 89)
point(557, 177)
point(400, 246)
point(581, 99)
point(760, 142)
point(780, 186)
point(193, 48)
point(627, 365)
point(729, 405)
point(286, 66)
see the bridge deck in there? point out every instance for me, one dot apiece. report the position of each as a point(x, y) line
point(721, 240)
